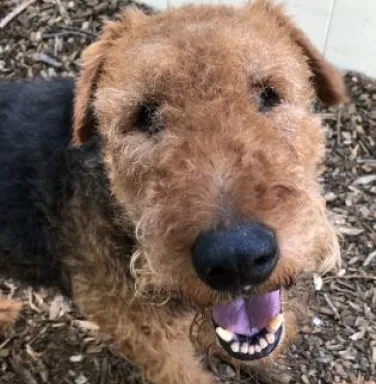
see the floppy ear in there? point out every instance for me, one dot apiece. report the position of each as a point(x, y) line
point(327, 80)
point(83, 115)
point(93, 57)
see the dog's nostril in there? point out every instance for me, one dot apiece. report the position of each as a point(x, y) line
point(263, 260)
point(217, 273)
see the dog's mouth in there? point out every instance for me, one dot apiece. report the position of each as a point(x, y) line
point(249, 328)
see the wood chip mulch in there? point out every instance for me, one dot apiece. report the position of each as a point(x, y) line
point(52, 344)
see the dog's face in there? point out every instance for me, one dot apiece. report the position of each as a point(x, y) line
point(212, 153)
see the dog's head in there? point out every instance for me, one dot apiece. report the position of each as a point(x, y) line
point(212, 153)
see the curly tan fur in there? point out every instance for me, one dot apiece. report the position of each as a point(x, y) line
point(217, 157)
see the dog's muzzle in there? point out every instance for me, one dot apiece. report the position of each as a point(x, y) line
point(234, 260)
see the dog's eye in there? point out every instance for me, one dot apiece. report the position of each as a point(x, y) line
point(148, 118)
point(268, 98)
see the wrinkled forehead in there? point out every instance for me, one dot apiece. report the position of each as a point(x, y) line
point(208, 55)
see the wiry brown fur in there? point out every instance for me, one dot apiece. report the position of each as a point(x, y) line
point(218, 159)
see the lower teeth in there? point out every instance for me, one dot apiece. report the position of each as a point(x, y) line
point(270, 338)
point(263, 342)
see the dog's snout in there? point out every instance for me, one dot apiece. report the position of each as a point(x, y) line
point(234, 258)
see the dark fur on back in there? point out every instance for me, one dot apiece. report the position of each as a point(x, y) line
point(40, 176)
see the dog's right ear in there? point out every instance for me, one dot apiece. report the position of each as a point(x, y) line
point(83, 115)
point(93, 58)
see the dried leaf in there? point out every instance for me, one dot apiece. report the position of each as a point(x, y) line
point(350, 231)
point(86, 325)
point(364, 180)
point(317, 282)
point(58, 307)
point(76, 358)
point(358, 336)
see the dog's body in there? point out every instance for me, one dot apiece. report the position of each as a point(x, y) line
point(190, 190)
point(44, 181)
point(35, 130)
point(56, 203)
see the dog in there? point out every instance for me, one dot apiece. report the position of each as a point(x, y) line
point(173, 191)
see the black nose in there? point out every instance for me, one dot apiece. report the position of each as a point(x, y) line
point(231, 259)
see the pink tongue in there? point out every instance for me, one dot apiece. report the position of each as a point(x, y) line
point(248, 316)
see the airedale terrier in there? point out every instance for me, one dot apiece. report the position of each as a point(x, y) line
point(189, 195)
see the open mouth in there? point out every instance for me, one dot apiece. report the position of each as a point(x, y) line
point(249, 328)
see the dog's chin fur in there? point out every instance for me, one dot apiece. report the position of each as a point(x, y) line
point(108, 211)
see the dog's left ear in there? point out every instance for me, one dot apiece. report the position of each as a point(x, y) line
point(93, 57)
point(327, 80)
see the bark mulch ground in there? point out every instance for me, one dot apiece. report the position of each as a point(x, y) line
point(52, 344)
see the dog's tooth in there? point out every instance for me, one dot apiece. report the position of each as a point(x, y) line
point(275, 323)
point(244, 348)
point(224, 334)
point(263, 343)
point(235, 347)
point(257, 348)
point(270, 338)
point(251, 350)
